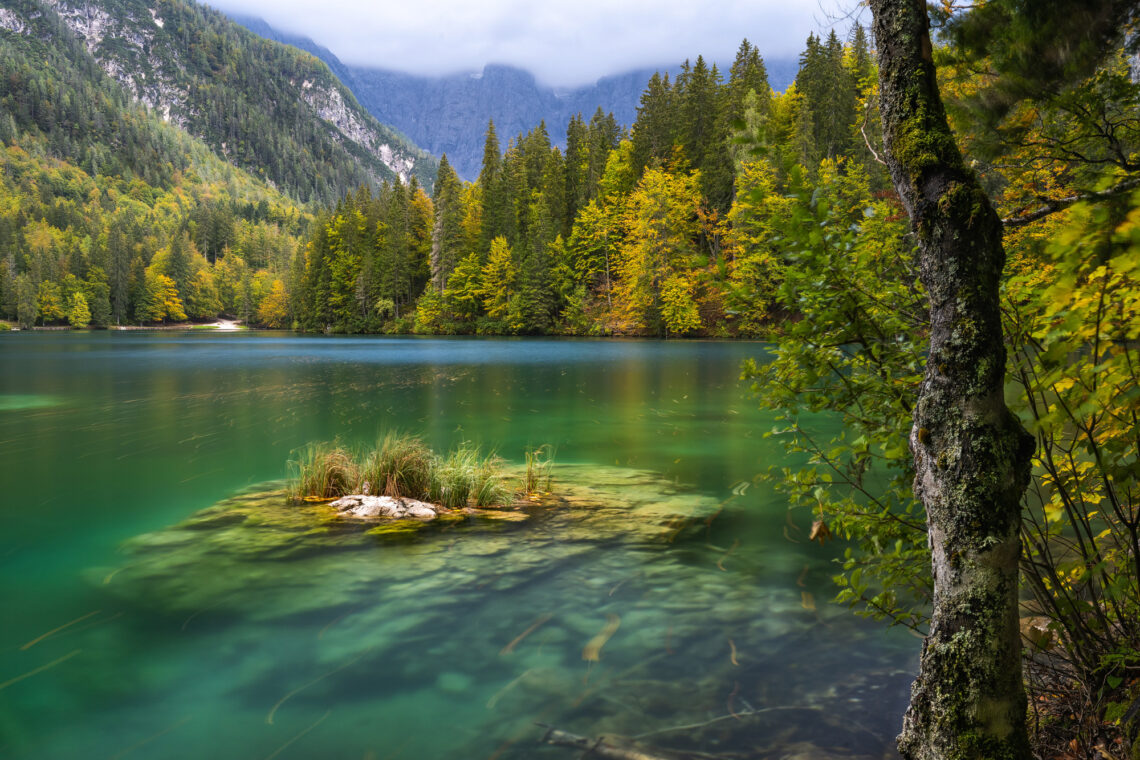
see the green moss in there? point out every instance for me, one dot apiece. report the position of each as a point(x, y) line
point(396, 528)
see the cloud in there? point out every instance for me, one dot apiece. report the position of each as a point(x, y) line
point(563, 42)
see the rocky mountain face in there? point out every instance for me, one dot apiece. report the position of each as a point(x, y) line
point(262, 106)
point(449, 114)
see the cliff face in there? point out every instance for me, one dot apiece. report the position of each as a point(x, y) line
point(255, 102)
point(124, 46)
point(450, 114)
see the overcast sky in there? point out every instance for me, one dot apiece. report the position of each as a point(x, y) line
point(563, 42)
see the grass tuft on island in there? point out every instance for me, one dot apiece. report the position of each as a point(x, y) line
point(401, 466)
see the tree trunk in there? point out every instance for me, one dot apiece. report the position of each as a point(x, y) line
point(972, 456)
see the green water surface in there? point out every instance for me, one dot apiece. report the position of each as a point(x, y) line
point(201, 642)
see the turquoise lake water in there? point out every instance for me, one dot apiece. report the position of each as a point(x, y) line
point(687, 594)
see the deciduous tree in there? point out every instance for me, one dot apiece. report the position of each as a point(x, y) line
point(971, 454)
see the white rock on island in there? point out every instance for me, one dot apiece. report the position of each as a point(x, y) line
point(359, 505)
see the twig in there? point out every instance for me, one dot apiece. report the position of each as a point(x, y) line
point(863, 131)
point(54, 631)
point(598, 747)
point(731, 716)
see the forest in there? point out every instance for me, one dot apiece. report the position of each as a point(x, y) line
point(631, 232)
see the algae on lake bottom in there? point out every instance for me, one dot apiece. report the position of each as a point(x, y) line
point(694, 642)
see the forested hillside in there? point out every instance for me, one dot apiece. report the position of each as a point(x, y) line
point(110, 215)
point(264, 107)
point(654, 231)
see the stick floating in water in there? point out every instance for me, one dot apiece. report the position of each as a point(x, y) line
point(593, 650)
point(318, 679)
point(40, 669)
point(54, 631)
point(540, 621)
point(286, 745)
point(152, 737)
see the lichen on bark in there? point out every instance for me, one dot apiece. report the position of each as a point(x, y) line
point(971, 454)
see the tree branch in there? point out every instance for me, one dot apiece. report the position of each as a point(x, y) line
point(1051, 207)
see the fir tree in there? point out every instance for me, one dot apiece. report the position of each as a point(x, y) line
point(653, 132)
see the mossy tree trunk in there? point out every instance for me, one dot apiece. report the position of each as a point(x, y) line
point(971, 454)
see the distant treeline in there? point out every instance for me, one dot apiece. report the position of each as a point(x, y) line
point(645, 232)
point(651, 231)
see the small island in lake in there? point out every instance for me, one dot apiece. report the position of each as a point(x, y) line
point(402, 479)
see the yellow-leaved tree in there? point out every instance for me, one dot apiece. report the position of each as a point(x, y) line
point(660, 226)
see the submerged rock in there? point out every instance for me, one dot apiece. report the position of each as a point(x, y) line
point(359, 505)
point(258, 556)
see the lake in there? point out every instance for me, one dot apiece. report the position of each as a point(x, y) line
point(688, 596)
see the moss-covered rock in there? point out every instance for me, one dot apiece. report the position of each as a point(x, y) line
point(258, 554)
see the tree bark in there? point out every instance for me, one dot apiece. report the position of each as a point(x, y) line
point(972, 456)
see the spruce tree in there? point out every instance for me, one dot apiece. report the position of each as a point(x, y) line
point(178, 265)
point(576, 149)
point(119, 258)
point(447, 229)
point(603, 135)
point(653, 131)
point(497, 212)
point(747, 74)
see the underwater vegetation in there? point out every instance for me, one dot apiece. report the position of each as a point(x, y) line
point(605, 612)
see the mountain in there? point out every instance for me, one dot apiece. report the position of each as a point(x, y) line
point(449, 114)
point(264, 107)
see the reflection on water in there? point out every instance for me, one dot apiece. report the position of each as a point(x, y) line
point(252, 630)
point(11, 402)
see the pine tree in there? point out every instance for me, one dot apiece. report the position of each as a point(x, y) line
point(553, 187)
point(178, 264)
point(119, 257)
point(463, 294)
point(535, 150)
point(602, 136)
point(26, 308)
point(747, 74)
point(653, 132)
point(532, 309)
point(493, 190)
point(575, 166)
point(698, 110)
point(98, 295)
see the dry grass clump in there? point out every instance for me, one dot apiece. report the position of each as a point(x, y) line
point(538, 477)
point(323, 471)
point(400, 466)
point(465, 475)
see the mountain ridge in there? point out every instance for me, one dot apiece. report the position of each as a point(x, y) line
point(449, 114)
point(262, 106)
